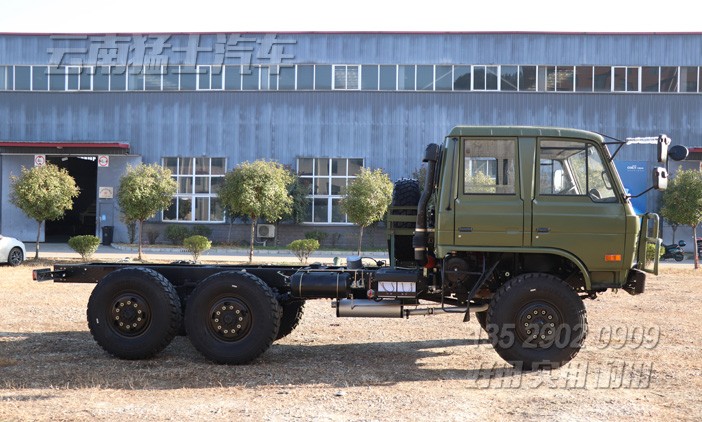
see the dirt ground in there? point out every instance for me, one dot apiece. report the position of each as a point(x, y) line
point(641, 360)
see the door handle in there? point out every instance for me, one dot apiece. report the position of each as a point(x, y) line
point(543, 230)
point(465, 229)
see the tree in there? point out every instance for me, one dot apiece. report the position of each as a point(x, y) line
point(367, 199)
point(257, 190)
point(303, 248)
point(43, 193)
point(682, 202)
point(143, 191)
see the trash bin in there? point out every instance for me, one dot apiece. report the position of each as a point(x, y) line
point(107, 232)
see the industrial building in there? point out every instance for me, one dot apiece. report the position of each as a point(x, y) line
point(324, 104)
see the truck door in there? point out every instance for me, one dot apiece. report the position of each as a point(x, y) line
point(489, 210)
point(576, 207)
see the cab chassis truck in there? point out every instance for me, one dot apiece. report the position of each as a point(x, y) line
point(514, 224)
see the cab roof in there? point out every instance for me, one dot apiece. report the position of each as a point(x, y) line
point(526, 131)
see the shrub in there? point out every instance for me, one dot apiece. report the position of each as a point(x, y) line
point(84, 245)
point(152, 234)
point(201, 230)
point(317, 235)
point(651, 252)
point(196, 245)
point(176, 233)
point(303, 248)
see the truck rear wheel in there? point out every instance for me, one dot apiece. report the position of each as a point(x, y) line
point(134, 313)
point(537, 320)
point(232, 317)
point(292, 314)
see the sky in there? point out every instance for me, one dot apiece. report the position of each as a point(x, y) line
point(131, 16)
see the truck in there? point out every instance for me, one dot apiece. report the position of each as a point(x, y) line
point(516, 225)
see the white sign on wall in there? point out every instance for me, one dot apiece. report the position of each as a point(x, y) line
point(39, 160)
point(104, 161)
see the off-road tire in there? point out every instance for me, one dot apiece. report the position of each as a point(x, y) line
point(405, 193)
point(232, 317)
point(292, 311)
point(15, 257)
point(536, 304)
point(134, 313)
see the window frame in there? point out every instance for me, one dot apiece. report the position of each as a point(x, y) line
point(329, 196)
point(193, 196)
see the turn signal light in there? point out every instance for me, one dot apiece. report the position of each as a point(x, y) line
point(613, 258)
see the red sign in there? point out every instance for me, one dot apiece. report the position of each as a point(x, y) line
point(104, 161)
point(39, 160)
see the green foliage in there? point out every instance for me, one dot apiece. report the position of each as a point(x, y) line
point(196, 245)
point(367, 199)
point(480, 183)
point(176, 233)
point(201, 230)
point(316, 234)
point(651, 252)
point(131, 228)
point(84, 245)
point(143, 191)
point(300, 203)
point(682, 201)
point(257, 190)
point(43, 193)
point(303, 248)
point(152, 234)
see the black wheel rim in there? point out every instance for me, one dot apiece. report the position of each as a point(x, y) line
point(229, 319)
point(15, 257)
point(538, 323)
point(130, 314)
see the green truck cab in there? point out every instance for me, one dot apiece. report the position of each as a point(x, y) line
point(527, 221)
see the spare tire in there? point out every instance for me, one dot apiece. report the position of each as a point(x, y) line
point(405, 194)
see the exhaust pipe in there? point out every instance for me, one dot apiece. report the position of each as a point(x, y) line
point(419, 241)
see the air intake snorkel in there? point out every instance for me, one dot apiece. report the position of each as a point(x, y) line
point(419, 241)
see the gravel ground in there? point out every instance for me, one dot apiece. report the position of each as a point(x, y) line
point(641, 360)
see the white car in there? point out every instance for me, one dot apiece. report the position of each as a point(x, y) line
point(11, 251)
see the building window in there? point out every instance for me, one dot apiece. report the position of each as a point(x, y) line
point(305, 77)
point(669, 79)
point(286, 78)
point(153, 77)
point(509, 78)
point(688, 79)
point(485, 78)
point(405, 78)
point(326, 180)
point(345, 77)
point(198, 180)
point(527, 78)
point(461, 78)
point(626, 79)
point(369, 77)
point(40, 78)
point(209, 77)
point(425, 78)
point(583, 78)
point(444, 78)
point(388, 77)
point(322, 77)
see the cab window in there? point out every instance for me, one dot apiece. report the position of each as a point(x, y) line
point(574, 168)
point(488, 166)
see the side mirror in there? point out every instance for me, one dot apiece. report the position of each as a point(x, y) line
point(663, 142)
point(660, 178)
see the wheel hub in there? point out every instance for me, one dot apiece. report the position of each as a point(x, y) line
point(538, 323)
point(130, 314)
point(230, 319)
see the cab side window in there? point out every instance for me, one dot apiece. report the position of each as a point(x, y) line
point(574, 168)
point(488, 166)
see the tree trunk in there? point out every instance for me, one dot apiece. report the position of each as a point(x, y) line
point(360, 240)
point(253, 236)
point(141, 224)
point(673, 227)
point(694, 246)
point(36, 248)
point(229, 234)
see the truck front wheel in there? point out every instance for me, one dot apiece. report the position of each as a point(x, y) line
point(134, 313)
point(232, 317)
point(536, 320)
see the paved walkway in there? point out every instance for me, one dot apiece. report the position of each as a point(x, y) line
point(117, 252)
